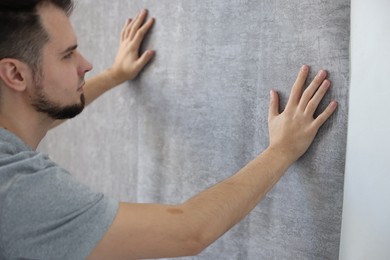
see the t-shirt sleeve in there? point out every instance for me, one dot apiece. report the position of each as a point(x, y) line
point(50, 215)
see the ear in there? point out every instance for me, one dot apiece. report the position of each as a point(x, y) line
point(15, 74)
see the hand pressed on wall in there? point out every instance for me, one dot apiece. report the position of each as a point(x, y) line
point(293, 130)
point(129, 62)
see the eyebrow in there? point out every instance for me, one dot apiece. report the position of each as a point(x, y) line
point(69, 49)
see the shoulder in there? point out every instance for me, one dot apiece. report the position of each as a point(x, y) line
point(43, 206)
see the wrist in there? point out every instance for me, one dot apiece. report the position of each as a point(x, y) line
point(114, 77)
point(281, 155)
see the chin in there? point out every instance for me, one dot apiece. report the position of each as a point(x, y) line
point(70, 111)
point(67, 112)
point(56, 111)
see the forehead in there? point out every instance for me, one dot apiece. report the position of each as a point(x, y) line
point(58, 26)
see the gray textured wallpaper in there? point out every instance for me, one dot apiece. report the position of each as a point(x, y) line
point(198, 113)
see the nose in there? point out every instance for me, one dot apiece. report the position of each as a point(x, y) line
point(84, 66)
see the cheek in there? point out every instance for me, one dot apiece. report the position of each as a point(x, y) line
point(58, 88)
point(62, 79)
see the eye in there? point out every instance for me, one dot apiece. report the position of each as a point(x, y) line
point(69, 55)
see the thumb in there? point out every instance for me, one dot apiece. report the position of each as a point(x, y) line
point(274, 104)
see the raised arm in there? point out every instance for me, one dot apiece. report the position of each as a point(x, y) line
point(128, 62)
point(155, 230)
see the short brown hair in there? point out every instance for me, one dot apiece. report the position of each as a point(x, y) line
point(22, 35)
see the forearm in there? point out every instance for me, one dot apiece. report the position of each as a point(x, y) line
point(217, 209)
point(94, 88)
point(99, 84)
point(186, 229)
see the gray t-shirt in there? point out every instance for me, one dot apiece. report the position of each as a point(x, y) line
point(44, 212)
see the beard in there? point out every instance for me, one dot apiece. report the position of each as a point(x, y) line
point(56, 111)
point(42, 104)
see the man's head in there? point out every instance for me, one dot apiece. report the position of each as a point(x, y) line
point(22, 35)
point(37, 34)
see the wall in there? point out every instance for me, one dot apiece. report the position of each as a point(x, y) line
point(366, 212)
point(198, 113)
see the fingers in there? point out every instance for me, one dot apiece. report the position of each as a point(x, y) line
point(312, 97)
point(318, 96)
point(139, 36)
point(308, 101)
point(132, 27)
point(137, 23)
point(296, 91)
point(144, 59)
point(320, 120)
point(311, 89)
point(274, 104)
point(125, 29)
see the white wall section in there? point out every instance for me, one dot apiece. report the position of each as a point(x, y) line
point(366, 212)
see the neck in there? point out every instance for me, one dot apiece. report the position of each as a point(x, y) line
point(30, 127)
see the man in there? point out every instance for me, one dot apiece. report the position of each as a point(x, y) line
point(46, 214)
